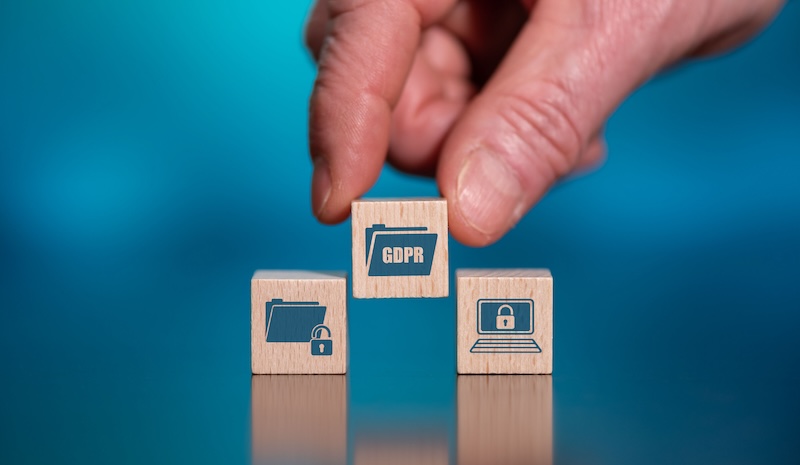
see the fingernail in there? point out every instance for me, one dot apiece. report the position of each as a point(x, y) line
point(320, 185)
point(489, 195)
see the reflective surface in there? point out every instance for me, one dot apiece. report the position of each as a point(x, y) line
point(399, 446)
point(510, 420)
point(154, 153)
point(505, 420)
point(500, 419)
point(299, 419)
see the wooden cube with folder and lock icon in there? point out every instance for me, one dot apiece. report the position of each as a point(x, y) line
point(298, 322)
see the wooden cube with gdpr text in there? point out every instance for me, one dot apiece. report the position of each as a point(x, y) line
point(298, 322)
point(504, 321)
point(400, 248)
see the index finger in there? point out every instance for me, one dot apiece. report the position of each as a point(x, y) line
point(363, 63)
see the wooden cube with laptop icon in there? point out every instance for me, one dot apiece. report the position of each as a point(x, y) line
point(505, 321)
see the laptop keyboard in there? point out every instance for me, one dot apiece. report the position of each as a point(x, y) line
point(505, 346)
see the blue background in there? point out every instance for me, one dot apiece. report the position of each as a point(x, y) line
point(154, 154)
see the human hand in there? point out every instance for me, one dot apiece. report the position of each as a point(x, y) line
point(497, 98)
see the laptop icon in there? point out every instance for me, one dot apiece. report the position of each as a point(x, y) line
point(503, 318)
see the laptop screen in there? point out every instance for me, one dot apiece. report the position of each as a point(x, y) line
point(505, 316)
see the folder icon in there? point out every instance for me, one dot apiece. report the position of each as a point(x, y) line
point(399, 251)
point(292, 321)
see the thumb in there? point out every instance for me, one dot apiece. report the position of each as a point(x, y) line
point(539, 117)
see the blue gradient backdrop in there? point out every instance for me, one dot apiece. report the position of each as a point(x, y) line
point(153, 154)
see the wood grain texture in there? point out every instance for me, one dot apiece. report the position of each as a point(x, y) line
point(327, 288)
point(394, 213)
point(505, 419)
point(299, 419)
point(473, 285)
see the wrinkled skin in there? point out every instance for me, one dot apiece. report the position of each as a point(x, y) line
point(497, 99)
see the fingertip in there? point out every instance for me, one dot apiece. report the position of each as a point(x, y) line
point(485, 198)
point(364, 57)
point(334, 213)
point(321, 187)
point(592, 158)
point(464, 233)
point(330, 203)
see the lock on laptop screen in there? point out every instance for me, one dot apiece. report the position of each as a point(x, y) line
point(505, 316)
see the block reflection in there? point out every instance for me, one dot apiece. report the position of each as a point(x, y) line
point(505, 420)
point(401, 447)
point(299, 419)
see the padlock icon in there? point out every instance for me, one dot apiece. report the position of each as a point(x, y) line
point(505, 321)
point(321, 346)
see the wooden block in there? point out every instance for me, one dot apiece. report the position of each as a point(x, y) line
point(299, 419)
point(287, 309)
point(505, 419)
point(505, 321)
point(400, 248)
